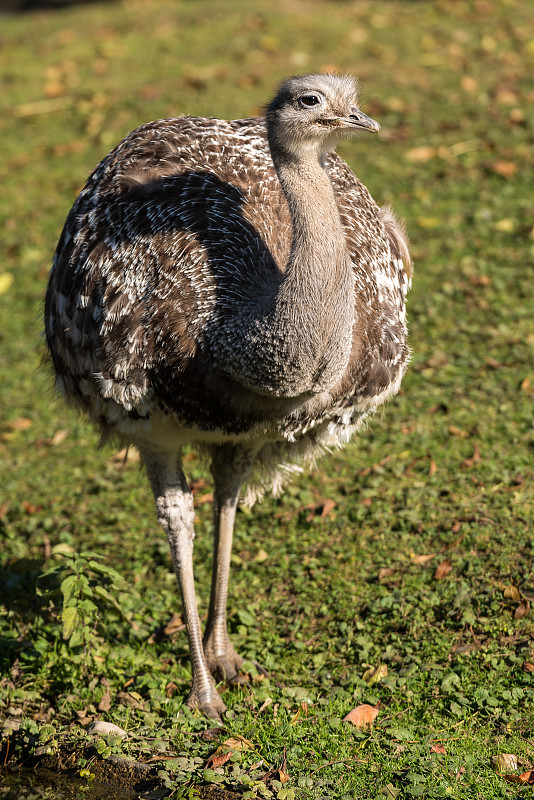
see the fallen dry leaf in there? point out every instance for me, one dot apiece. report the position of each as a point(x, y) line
point(106, 728)
point(437, 748)
point(504, 762)
point(266, 703)
point(226, 750)
point(528, 666)
point(322, 509)
point(170, 689)
point(19, 424)
point(455, 431)
point(385, 572)
point(421, 154)
point(522, 610)
point(105, 703)
point(174, 625)
point(507, 169)
point(30, 508)
point(204, 498)
point(474, 459)
point(216, 761)
point(480, 280)
point(525, 779)
point(132, 700)
point(362, 716)
point(57, 438)
point(375, 674)
point(129, 453)
point(511, 592)
point(442, 569)
point(422, 559)
point(237, 743)
point(328, 506)
point(468, 83)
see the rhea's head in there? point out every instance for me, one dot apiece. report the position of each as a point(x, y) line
point(311, 113)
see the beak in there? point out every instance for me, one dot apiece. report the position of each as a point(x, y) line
point(357, 119)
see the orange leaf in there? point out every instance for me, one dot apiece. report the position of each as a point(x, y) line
point(170, 689)
point(215, 760)
point(328, 506)
point(526, 778)
point(19, 424)
point(505, 168)
point(455, 431)
point(204, 498)
point(442, 569)
point(362, 716)
point(30, 508)
point(283, 777)
point(437, 748)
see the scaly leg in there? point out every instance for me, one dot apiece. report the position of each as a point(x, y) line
point(174, 503)
point(230, 468)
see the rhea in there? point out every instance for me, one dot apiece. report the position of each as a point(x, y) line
point(233, 285)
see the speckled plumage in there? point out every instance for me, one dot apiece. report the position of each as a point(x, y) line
point(180, 235)
point(183, 217)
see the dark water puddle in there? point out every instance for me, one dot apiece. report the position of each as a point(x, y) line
point(46, 785)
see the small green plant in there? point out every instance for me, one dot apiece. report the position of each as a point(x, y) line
point(178, 791)
point(82, 584)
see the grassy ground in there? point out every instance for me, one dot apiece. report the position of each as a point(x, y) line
point(399, 574)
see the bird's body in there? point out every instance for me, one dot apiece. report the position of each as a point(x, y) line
point(201, 293)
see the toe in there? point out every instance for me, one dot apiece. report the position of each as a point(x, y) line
point(210, 703)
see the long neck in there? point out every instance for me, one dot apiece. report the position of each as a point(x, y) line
point(315, 301)
point(295, 337)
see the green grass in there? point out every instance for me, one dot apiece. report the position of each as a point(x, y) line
point(445, 472)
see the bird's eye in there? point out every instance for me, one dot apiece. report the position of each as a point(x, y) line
point(309, 100)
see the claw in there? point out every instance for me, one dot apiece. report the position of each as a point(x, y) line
point(210, 703)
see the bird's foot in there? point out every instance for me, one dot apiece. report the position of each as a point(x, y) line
point(209, 702)
point(224, 663)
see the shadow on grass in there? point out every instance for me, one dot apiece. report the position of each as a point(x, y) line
point(22, 6)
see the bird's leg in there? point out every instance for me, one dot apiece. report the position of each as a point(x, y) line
point(230, 468)
point(174, 503)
